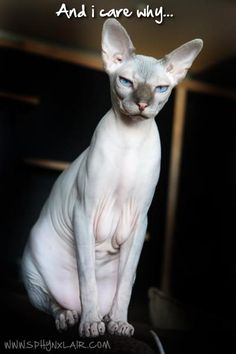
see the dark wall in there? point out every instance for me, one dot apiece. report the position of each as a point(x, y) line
point(204, 269)
point(72, 100)
point(204, 264)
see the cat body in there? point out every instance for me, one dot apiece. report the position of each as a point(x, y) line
point(81, 257)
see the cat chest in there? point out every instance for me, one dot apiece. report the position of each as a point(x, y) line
point(120, 208)
point(115, 219)
point(122, 194)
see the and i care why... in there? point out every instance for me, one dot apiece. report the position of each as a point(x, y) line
point(158, 14)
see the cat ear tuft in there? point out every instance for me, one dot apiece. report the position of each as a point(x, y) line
point(180, 60)
point(117, 46)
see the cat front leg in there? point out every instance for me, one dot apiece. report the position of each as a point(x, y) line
point(129, 256)
point(91, 324)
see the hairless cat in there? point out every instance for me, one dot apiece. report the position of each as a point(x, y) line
point(80, 261)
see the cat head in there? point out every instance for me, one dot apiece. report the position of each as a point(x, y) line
point(141, 85)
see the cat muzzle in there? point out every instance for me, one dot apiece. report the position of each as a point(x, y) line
point(142, 106)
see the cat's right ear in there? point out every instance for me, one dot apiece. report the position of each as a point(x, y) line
point(116, 45)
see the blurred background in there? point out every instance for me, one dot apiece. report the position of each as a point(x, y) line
point(53, 92)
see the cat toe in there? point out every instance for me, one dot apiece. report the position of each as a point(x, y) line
point(121, 328)
point(93, 329)
point(65, 319)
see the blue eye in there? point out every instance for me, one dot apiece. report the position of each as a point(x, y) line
point(161, 89)
point(125, 82)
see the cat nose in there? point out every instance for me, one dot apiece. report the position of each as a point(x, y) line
point(142, 106)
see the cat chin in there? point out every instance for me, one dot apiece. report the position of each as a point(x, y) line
point(135, 116)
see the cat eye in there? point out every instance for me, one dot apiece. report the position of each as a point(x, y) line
point(125, 82)
point(161, 88)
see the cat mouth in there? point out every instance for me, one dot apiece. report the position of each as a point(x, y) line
point(139, 116)
point(136, 116)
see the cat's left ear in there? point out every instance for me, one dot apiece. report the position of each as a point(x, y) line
point(117, 46)
point(180, 60)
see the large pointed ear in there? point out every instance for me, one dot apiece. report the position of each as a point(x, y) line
point(116, 45)
point(180, 60)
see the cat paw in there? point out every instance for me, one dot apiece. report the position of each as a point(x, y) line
point(121, 328)
point(65, 319)
point(91, 329)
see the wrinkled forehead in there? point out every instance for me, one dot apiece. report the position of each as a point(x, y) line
point(143, 68)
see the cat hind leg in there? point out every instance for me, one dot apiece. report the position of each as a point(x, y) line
point(42, 300)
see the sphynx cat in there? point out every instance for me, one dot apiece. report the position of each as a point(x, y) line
point(80, 261)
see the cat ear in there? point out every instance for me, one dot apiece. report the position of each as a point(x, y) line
point(116, 45)
point(180, 60)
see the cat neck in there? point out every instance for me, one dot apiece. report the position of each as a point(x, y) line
point(135, 123)
point(127, 132)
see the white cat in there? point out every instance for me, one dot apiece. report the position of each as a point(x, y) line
point(80, 261)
